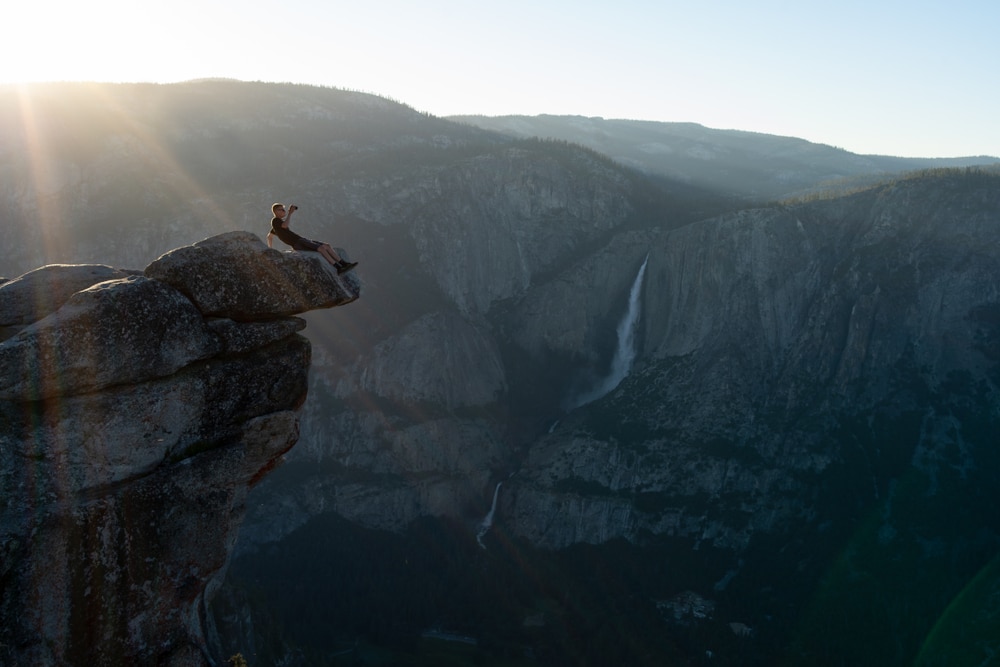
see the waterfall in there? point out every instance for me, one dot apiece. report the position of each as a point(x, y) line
point(487, 522)
point(625, 353)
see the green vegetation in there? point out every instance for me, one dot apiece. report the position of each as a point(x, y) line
point(341, 594)
point(962, 179)
point(583, 487)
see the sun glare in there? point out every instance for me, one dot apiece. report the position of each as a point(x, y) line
point(105, 40)
point(55, 130)
point(43, 175)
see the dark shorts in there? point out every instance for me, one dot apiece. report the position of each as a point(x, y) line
point(306, 244)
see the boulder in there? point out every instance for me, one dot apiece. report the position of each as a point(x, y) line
point(123, 577)
point(38, 293)
point(239, 337)
point(116, 332)
point(235, 275)
point(133, 422)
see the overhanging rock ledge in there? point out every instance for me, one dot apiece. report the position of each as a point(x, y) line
point(137, 409)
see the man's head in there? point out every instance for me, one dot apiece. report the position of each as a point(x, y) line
point(278, 210)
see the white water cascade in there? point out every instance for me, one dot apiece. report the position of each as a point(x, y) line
point(621, 364)
point(487, 522)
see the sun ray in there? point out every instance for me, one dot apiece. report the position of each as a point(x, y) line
point(39, 203)
point(61, 130)
point(181, 183)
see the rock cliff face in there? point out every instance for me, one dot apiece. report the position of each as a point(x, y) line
point(137, 410)
point(764, 338)
point(491, 224)
point(810, 379)
point(778, 347)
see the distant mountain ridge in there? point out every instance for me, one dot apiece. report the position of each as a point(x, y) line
point(755, 165)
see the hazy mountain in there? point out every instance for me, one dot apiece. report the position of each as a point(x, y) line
point(804, 427)
point(755, 165)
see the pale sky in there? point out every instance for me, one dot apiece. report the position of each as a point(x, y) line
point(891, 77)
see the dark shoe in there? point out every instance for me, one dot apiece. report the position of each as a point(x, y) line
point(344, 267)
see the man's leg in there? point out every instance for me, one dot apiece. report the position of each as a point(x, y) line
point(328, 252)
point(338, 262)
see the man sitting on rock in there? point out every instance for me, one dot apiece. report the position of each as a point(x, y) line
point(279, 227)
